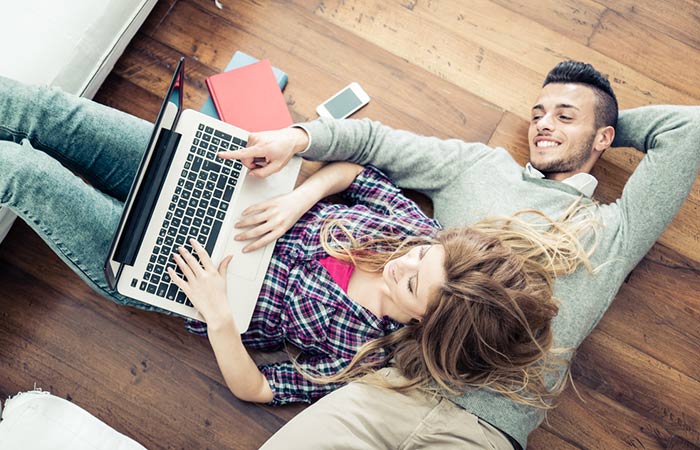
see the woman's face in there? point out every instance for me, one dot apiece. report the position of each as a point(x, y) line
point(412, 279)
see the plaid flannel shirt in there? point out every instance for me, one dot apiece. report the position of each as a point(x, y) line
point(300, 303)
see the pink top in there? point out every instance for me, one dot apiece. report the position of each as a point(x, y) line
point(340, 271)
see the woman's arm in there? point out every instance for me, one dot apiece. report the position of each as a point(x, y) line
point(330, 179)
point(272, 218)
point(289, 385)
point(205, 286)
point(242, 376)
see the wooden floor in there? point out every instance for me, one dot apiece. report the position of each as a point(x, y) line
point(468, 70)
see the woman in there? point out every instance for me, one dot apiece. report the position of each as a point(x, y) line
point(455, 309)
point(342, 277)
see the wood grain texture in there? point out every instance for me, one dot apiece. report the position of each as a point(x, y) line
point(645, 52)
point(467, 70)
point(678, 19)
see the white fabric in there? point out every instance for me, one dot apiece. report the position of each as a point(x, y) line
point(583, 182)
point(37, 420)
point(65, 44)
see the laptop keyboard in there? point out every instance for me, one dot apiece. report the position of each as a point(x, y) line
point(196, 210)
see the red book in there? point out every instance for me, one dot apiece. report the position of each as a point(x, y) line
point(250, 98)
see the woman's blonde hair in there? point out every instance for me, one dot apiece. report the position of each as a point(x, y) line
point(490, 323)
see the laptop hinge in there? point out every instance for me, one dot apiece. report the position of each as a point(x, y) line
point(147, 196)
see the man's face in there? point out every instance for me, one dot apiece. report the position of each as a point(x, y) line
point(562, 130)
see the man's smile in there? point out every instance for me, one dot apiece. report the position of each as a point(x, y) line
point(544, 142)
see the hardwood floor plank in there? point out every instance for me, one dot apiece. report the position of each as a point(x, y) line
point(657, 312)
point(64, 354)
point(640, 383)
point(448, 55)
point(587, 421)
point(511, 36)
point(150, 65)
point(399, 93)
point(575, 19)
point(541, 438)
point(155, 18)
point(677, 443)
point(658, 56)
point(677, 19)
point(477, 46)
point(121, 94)
point(666, 257)
point(578, 19)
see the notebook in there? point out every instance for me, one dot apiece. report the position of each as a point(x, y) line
point(241, 59)
point(250, 98)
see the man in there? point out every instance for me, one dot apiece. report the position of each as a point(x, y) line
point(573, 122)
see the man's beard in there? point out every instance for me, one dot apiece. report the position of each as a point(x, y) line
point(572, 163)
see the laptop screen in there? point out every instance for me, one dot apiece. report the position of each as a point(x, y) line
point(124, 250)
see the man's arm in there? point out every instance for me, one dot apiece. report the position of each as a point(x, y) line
point(426, 164)
point(670, 137)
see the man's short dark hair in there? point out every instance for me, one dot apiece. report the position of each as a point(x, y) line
point(582, 73)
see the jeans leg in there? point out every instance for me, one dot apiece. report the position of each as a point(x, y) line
point(101, 144)
point(76, 220)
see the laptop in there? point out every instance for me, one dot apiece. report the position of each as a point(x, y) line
point(182, 191)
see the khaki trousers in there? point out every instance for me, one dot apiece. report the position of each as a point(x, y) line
point(362, 416)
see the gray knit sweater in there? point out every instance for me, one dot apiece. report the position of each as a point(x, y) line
point(470, 181)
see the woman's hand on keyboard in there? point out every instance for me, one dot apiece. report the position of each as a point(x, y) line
point(203, 283)
point(274, 148)
point(270, 219)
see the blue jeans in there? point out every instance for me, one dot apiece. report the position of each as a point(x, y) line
point(66, 167)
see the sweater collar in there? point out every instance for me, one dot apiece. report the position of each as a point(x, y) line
point(583, 182)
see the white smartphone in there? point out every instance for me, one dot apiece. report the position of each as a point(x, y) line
point(344, 103)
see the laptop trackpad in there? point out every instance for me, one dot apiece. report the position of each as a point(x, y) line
point(256, 190)
point(245, 265)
